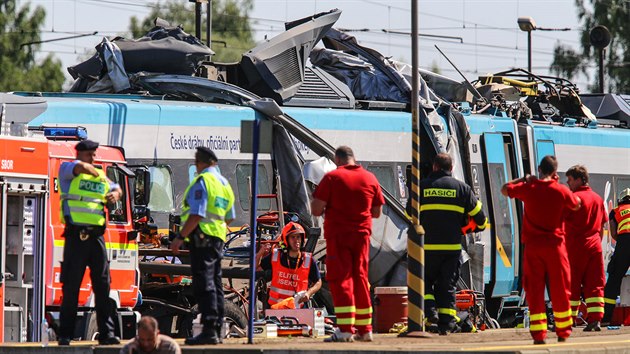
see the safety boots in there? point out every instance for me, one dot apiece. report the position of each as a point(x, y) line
point(593, 326)
point(207, 336)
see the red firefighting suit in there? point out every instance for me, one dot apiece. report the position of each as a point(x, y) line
point(584, 246)
point(347, 274)
point(550, 260)
point(350, 192)
point(545, 258)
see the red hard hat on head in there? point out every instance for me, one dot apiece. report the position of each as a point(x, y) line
point(292, 228)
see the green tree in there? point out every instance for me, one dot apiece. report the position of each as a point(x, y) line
point(231, 31)
point(614, 15)
point(567, 63)
point(19, 71)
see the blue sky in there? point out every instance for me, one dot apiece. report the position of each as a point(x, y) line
point(488, 28)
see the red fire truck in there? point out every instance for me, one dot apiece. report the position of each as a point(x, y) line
point(31, 246)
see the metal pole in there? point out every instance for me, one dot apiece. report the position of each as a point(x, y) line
point(415, 235)
point(252, 237)
point(529, 51)
point(209, 23)
point(601, 70)
point(198, 20)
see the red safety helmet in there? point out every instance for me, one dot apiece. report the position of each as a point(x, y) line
point(289, 229)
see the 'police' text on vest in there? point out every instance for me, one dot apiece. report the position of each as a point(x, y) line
point(90, 186)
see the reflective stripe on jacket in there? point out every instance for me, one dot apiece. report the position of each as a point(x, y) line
point(286, 282)
point(85, 200)
point(622, 217)
point(445, 206)
point(220, 200)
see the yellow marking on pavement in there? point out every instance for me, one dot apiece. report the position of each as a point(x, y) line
point(540, 346)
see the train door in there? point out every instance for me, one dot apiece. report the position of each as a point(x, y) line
point(501, 165)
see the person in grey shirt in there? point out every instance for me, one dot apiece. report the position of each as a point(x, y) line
point(150, 341)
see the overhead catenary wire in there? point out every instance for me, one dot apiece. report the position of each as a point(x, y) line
point(503, 49)
point(484, 45)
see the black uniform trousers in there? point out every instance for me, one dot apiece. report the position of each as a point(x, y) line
point(441, 274)
point(207, 283)
point(77, 255)
point(617, 268)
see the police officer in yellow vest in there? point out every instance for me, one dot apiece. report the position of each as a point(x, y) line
point(206, 212)
point(84, 192)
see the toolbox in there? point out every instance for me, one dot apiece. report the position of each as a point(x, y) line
point(314, 318)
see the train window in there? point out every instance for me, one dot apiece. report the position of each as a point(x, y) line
point(161, 189)
point(501, 207)
point(192, 173)
point(385, 176)
point(544, 148)
point(118, 210)
point(243, 172)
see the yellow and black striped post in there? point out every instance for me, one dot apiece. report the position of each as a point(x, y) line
point(415, 235)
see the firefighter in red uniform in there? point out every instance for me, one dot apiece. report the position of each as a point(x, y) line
point(292, 270)
point(620, 261)
point(584, 230)
point(545, 256)
point(350, 197)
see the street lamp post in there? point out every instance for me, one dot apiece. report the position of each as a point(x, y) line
point(600, 39)
point(527, 24)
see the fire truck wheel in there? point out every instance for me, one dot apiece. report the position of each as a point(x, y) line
point(235, 317)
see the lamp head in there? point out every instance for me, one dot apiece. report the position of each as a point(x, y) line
point(526, 24)
point(600, 37)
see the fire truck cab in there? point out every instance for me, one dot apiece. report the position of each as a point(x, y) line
point(31, 237)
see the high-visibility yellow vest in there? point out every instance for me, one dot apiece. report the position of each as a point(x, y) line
point(85, 200)
point(220, 201)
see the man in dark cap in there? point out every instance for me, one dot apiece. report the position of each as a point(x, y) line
point(84, 192)
point(207, 210)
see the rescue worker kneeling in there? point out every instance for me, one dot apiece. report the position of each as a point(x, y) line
point(292, 270)
point(445, 206)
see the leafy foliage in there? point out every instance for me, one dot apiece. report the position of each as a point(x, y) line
point(567, 63)
point(613, 14)
point(231, 30)
point(19, 71)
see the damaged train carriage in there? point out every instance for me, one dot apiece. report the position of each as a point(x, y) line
point(360, 100)
point(378, 130)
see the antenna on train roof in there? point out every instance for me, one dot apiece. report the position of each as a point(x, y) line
point(469, 86)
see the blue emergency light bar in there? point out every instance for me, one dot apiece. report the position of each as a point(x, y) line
point(75, 133)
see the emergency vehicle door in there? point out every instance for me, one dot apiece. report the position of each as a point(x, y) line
point(499, 159)
point(3, 231)
point(23, 256)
